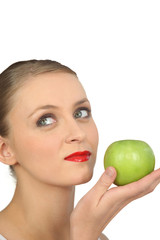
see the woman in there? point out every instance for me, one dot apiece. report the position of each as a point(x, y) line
point(49, 140)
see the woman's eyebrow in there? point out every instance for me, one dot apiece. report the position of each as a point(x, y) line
point(81, 102)
point(49, 106)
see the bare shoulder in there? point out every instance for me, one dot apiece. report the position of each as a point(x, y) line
point(4, 221)
point(5, 226)
point(1, 216)
point(1, 223)
point(103, 237)
point(1, 220)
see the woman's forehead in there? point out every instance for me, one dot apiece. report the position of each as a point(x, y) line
point(54, 80)
point(50, 88)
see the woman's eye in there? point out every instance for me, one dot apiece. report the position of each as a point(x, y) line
point(82, 113)
point(45, 121)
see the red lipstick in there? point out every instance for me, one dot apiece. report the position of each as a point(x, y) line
point(78, 156)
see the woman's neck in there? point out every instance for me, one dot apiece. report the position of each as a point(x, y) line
point(42, 210)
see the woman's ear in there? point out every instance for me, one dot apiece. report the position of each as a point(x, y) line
point(6, 153)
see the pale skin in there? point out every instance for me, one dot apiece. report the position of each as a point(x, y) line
point(43, 203)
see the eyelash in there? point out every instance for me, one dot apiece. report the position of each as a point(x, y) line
point(45, 116)
point(50, 115)
point(83, 109)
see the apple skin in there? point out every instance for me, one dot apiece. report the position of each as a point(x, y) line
point(132, 159)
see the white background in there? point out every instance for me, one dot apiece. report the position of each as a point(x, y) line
point(114, 46)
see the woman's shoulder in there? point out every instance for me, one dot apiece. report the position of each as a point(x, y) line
point(2, 238)
point(1, 222)
point(2, 219)
point(3, 225)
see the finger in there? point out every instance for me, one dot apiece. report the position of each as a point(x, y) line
point(123, 195)
point(103, 184)
point(105, 181)
point(137, 189)
point(148, 183)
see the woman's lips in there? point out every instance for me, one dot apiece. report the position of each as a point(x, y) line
point(78, 156)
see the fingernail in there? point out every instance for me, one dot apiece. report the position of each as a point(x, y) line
point(109, 171)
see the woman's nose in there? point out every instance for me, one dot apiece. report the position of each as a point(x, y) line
point(74, 133)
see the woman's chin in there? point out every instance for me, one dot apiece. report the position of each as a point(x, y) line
point(83, 177)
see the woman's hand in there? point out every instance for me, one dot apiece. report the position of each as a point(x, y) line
point(97, 208)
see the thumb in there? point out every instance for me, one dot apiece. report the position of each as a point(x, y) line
point(105, 182)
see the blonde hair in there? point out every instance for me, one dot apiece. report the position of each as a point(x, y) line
point(14, 77)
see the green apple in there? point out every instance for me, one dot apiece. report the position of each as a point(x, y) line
point(132, 159)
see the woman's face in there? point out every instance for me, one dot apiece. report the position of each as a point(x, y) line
point(50, 120)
